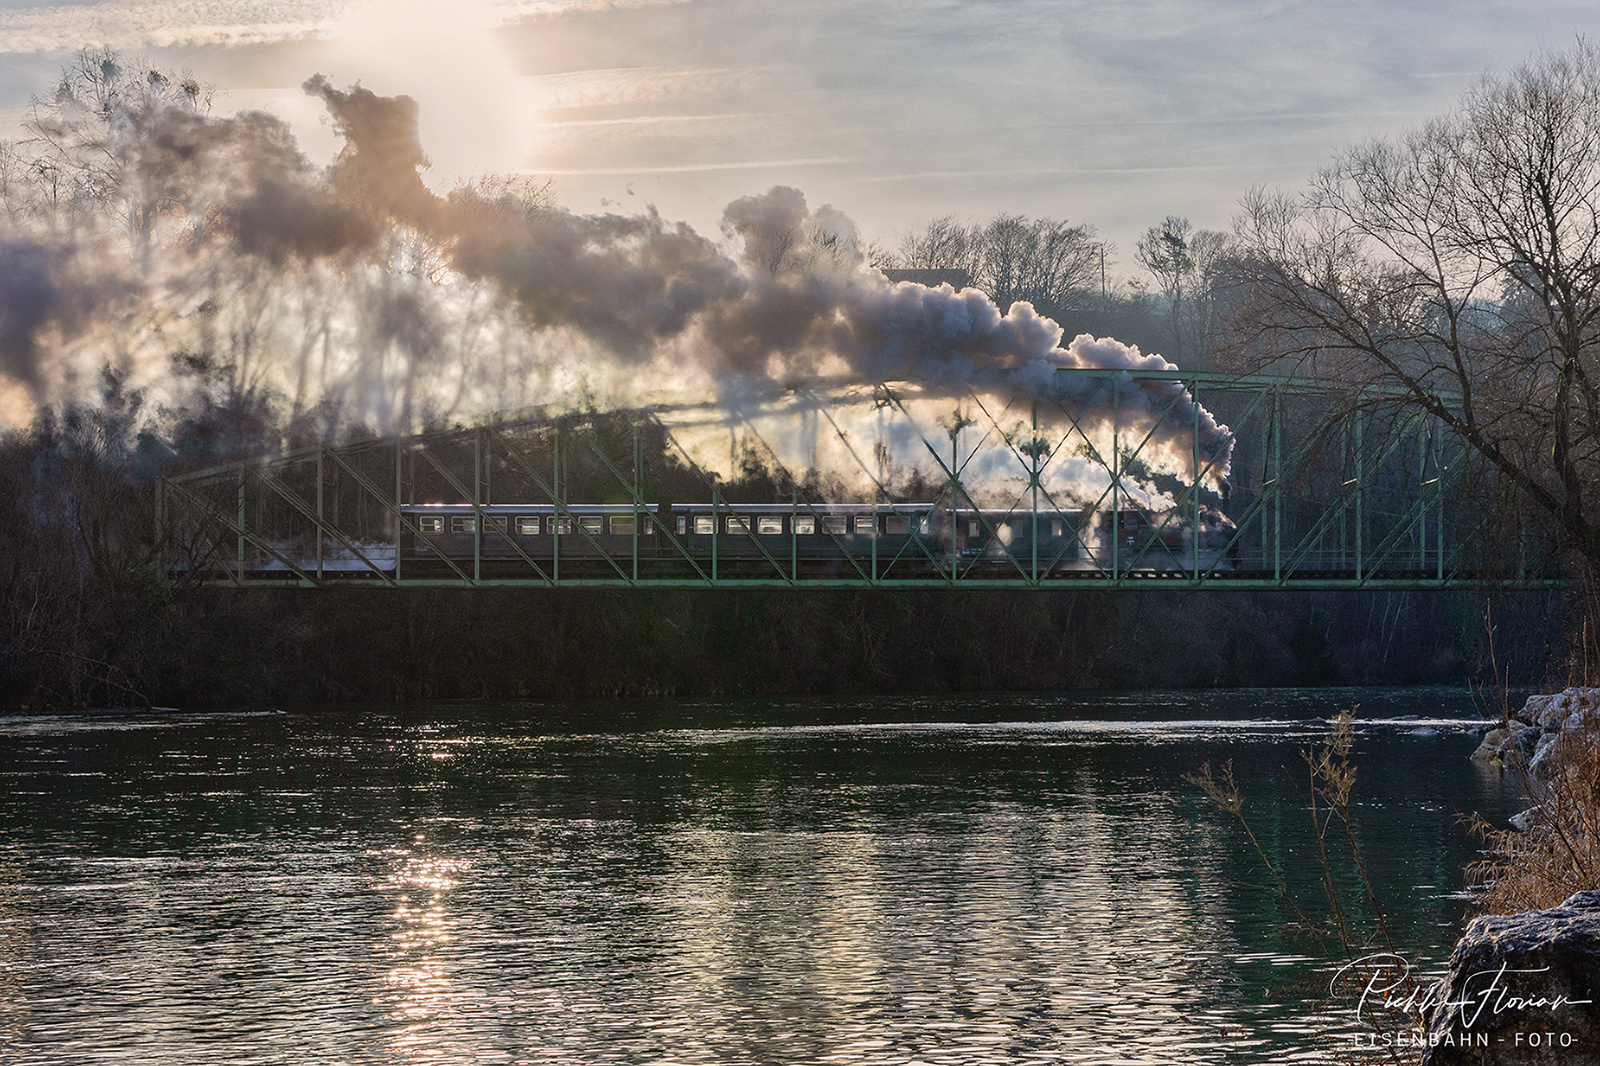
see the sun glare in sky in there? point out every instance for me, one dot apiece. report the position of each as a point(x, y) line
point(1113, 115)
point(475, 114)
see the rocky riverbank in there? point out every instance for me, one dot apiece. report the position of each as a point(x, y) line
point(1547, 729)
point(1522, 987)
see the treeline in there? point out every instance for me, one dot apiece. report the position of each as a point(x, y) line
point(1175, 302)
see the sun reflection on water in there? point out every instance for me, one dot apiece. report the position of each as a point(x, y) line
point(871, 895)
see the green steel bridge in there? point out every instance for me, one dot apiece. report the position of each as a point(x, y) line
point(1331, 486)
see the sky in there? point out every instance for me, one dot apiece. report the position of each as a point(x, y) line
point(1114, 113)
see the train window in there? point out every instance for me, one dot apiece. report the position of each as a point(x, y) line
point(592, 523)
point(527, 525)
point(864, 524)
point(972, 527)
point(683, 523)
point(463, 523)
point(835, 523)
point(431, 524)
point(925, 527)
point(805, 525)
point(894, 524)
point(1057, 527)
point(622, 526)
point(769, 524)
point(564, 525)
point(496, 523)
point(704, 525)
point(738, 523)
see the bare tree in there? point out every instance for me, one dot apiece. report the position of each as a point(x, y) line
point(96, 151)
point(1045, 262)
point(1464, 257)
point(1164, 252)
point(1188, 266)
point(946, 243)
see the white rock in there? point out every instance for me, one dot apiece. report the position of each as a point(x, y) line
point(1536, 708)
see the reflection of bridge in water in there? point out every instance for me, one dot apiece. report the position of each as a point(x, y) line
point(1330, 487)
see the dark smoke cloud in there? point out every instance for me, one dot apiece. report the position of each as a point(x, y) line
point(244, 176)
point(631, 282)
point(268, 198)
point(130, 170)
point(43, 288)
point(281, 220)
point(635, 282)
point(383, 155)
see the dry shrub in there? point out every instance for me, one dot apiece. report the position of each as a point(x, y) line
point(1559, 853)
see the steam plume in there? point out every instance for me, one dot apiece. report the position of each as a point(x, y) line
point(227, 213)
point(798, 299)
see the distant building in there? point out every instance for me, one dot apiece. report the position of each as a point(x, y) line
point(956, 279)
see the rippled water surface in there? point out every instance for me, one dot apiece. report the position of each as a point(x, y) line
point(938, 881)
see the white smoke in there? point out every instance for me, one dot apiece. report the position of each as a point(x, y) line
point(358, 293)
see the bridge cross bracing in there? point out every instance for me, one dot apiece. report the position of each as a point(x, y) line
point(1326, 486)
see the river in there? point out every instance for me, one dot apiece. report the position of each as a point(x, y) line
point(1022, 879)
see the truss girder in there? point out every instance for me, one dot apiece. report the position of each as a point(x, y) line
point(1372, 498)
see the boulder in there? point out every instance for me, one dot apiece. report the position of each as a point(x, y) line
point(1549, 712)
point(1536, 708)
point(1521, 988)
point(1523, 819)
point(1490, 748)
point(1539, 766)
point(1529, 738)
point(1521, 744)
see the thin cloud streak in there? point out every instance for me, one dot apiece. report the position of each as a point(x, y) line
point(222, 23)
point(691, 168)
point(1221, 168)
point(1241, 120)
point(646, 120)
point(68, 27)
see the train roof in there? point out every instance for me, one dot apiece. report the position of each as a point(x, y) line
point(804, 508)
point(742, 508)
point(529, 508)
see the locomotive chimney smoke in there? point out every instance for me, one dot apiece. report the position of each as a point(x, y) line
point(800, 303)
point(352, 288)
point(814, 308)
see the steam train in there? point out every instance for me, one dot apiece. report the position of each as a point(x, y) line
point(905, 540)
